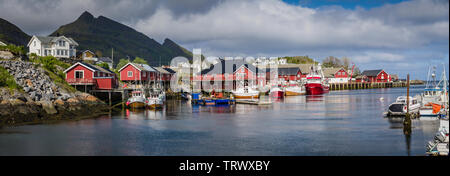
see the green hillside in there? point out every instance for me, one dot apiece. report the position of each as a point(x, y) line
point(11, 34)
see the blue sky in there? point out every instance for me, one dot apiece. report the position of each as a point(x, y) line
point(400, 37)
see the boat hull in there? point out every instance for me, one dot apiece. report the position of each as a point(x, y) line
point(155, 106)
point(246, 96)
point(316, 89)
point(277, 94)
point(293, 93)
point(137, 105)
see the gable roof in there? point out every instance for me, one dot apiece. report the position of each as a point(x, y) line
point(140, 67)
point(93, 68)
point(105, 59)
point(2, 44)
point(288, 71)
point(329, 72)
point(235, 64)
point(170, 70)
point(371, 72)
point(49, 40)
point(161, 70)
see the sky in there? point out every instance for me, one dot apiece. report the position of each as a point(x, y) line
point(398, 36)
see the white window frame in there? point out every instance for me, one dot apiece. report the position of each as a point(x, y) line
point(130, 73)
point(75, 74)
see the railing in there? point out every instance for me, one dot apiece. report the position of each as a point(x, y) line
point(80, 81)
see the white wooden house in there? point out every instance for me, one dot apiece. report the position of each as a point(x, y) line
point(60, 47)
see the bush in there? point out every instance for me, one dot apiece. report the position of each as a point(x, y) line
point(7, 80)
point(17, 50)
point(50, 62)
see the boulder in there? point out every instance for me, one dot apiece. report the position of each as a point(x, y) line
point(48, 107)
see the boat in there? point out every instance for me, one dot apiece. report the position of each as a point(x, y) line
point(137, 100)
point(399, 107)
point(434, 98)
point(315, 82)
point(295, 90)
point(440, 144)
point(245, 93)
point(276, 92)
point(156, 99)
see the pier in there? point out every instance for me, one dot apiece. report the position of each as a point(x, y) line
point(365, 85)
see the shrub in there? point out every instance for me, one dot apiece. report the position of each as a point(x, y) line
point(17, 50)
point(7, 80)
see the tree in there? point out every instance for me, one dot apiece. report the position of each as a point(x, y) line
point(104, 65)
point(331, 61)
point(122, 63)
point(139, 60)
point(346, 62)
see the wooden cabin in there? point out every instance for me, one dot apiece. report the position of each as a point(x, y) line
point(90, 77)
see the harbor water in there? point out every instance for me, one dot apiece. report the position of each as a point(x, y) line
point(339, 123)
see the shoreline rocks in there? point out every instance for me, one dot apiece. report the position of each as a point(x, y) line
point(41, 99)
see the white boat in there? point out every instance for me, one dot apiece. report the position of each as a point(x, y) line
point(156, 99)
point(399, 107)
point(246, 93)
point(440, 144)
point(137, 100)
point(276, 92)
point(434, 99)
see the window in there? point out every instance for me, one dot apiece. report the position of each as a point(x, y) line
point(57, 52)
point(65, 52)
point(79, 74)
point(34, 43)
point(130, 74)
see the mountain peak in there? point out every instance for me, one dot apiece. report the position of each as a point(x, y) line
point(86, 16)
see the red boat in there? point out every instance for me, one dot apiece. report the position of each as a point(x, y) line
point(276, 92)
point(315, 84)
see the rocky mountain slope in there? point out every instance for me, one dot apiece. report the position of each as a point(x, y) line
point(102, 34)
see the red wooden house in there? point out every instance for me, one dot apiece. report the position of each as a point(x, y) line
point(377, 76)
point(336, 75)
point(289, 74)
point(137, 72)
point(238, 71)
point(90, 77)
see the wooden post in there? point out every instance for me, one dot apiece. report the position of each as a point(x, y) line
point(109, 96)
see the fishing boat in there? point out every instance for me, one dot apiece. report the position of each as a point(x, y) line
point(276, 92)
point(434, 98)
point(399, 107)
point(245, 93)
point(137, 100)
point(156, 99)
point(295, 90)
point(315, 82)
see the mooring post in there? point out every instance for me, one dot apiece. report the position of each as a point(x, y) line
point(109, 97)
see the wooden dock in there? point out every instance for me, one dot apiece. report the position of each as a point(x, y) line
point(360, 85)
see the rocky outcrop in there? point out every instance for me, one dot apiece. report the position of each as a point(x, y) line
point(34, 81)
point(6, 55)
point(41, 99)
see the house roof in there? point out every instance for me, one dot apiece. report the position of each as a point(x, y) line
point(105, 59)
point(170, 70)
point(93, 68)
point(2, 44)
point(304, 68)
point(235, 64)
point(288, 71)
point(140, 67)
point(371, 72)
point(161, 70)
point(48, 40)
point(329, 72)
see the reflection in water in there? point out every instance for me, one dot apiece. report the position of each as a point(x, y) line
point(338, 123)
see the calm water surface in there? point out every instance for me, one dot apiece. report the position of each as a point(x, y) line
point(338, 123)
